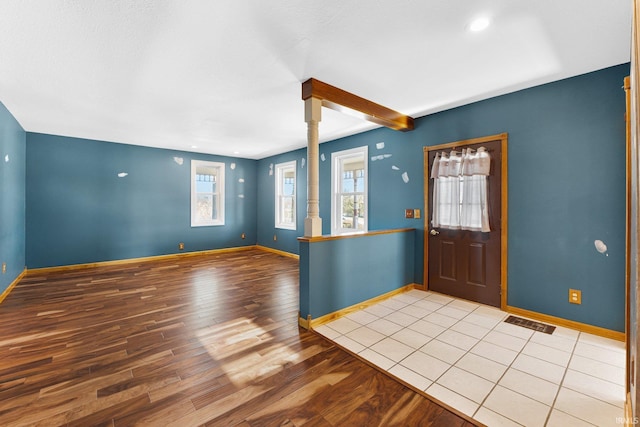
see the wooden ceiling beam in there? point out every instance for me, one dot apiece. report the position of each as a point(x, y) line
point(346, 102)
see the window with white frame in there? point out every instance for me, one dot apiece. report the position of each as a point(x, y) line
point(207, 193)
point(460, 190)
point(349, 188)
point(286, 195)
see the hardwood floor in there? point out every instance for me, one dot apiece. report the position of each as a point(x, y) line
point(201, 340)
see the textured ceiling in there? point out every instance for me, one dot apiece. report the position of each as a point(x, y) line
point(224, 76)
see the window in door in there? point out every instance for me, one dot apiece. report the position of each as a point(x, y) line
point(460, 190)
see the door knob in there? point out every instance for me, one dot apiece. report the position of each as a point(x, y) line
point(434, 232)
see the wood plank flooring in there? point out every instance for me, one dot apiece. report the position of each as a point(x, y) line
point(201, 340)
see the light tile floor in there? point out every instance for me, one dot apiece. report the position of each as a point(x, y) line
point(464, 355)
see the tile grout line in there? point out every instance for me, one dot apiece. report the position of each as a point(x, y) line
point(435, 338)
point(503, 374)
point(368, 347)
point(416, 350)
point(564, 374)
point(495, 383)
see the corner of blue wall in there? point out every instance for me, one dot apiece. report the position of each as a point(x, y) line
point(12, 202)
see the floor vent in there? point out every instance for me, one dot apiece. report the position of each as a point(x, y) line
point(530, 324)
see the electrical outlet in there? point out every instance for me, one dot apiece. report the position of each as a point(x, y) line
point(575, 296)
point(408, 213)
point(181, 246)
point(275, 237)
point(4, 267)
point(243, 236)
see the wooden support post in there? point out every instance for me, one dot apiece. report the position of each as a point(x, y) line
point(312, 115)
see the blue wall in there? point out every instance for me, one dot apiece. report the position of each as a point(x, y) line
point(80, 211)
point(566, 189)
point(12, 202)
point(285, 239)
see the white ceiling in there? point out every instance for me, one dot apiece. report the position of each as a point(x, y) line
point(224, 76)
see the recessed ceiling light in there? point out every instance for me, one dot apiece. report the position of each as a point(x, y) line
point(194, 146)
point(479, 24)
point(236, 152)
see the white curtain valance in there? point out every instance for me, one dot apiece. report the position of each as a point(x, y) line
point(460, 190)
point(465, 163)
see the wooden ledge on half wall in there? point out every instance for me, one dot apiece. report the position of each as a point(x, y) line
point(353, 235)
